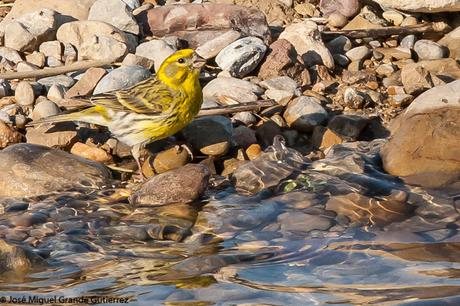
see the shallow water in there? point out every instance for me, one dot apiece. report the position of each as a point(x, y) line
point(337, 231)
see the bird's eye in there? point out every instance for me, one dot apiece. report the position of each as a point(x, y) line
point(181, 61)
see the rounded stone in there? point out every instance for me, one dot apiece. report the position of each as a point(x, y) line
point(428, 50)
point(24, 94)
point(122, 77)
point(304, 113)
point(44, 109)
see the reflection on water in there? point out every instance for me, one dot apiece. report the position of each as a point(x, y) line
point(335, 231)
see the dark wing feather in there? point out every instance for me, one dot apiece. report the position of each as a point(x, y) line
point(150, 96)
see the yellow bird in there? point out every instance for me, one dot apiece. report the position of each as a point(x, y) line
point(151, 110)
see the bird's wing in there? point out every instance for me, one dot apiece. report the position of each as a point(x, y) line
point(147, 97)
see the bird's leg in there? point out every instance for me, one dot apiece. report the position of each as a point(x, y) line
point(136, 152)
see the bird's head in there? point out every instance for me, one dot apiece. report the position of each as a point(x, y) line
point(181, 66)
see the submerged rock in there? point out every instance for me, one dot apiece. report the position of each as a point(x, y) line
point(182, 185)
point(30, 170)
point(16, 259)
point(423, 148)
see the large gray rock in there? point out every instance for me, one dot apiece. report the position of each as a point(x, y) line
point(307, 41)
point(428, 50)
point(239, 90)
point(304, 113)
point(242, 56)
point(116, 13)
point(182, 185)
point(423, 148)
point(425, 6)
point(122, 77)
point(31, 170)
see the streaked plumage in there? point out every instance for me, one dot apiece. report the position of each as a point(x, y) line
point(150, 110)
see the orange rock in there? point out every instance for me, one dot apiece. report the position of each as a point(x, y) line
point(8, 135)
point(90, 152)
point(87, 83)
point(253, 151)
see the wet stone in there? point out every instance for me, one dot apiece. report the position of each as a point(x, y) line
point(301, 222)
point(28, 219)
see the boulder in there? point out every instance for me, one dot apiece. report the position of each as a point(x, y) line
point(31, 170)
point(423, 149)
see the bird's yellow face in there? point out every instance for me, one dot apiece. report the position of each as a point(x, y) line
point(181, 67)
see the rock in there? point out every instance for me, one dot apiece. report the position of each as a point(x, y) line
point(87, 83)
point(230, 166)
point(282, 60)
point(236, 89)
point(280, 83)
point(409, 21)
point(266, 132)
point(244, 136)
point(211, 48)
point(306, 40)
point(337, 20)
point(242, 56)
point(36, 58)
point(136, 60)
point(397, 53)
point(253, 151)
point(62, 80)
point(304, 113)
point(341, 60)
point(70, 54)
point(358, 53)
point(347, 8)
point(91, 153)
point(394, 17)
point(400, 100)
point(423, 149)
point(417, 77)
point(385, 69)
point(4, 88)
point(247, 118)
point(359, 22)
point(8, 135)
point(16, 259)
point(116, 13)
point(452, 41)
point(182, 185)
point(428, 6)
point(428, 50)
point(51, 48)
point(122, 77)
point(339, 45)
point(323, 138)
point(95, 40)
point(305, 9)
point(170, 159)
point(28, 219)
point(352, 98)
point(77, 9)
point(24, 94)
point(27, 32)
point(156, 50)
point(45, 109)
point(55, 93)
point(348, 127)
point(198, 23)
point(10, 54)
point(61, 136)
point(26, 171)
point(301, 223)
point(210, 135)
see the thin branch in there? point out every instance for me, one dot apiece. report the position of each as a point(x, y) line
point(424, 28)
point(55, 70)
point(242, 107)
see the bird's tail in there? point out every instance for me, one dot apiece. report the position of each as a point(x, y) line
point(88, 115)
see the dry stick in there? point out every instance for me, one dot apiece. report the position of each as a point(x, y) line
point(54, 71)
point(230, 109)
point(435, 27)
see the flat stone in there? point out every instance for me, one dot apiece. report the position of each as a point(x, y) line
point(26, 171)
point(62, 136)
point(236, 89)
point(62, 80)
point(87, 83)
point(358, 53)
point(182, 185)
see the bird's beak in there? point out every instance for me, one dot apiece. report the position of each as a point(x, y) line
point(198, 61)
